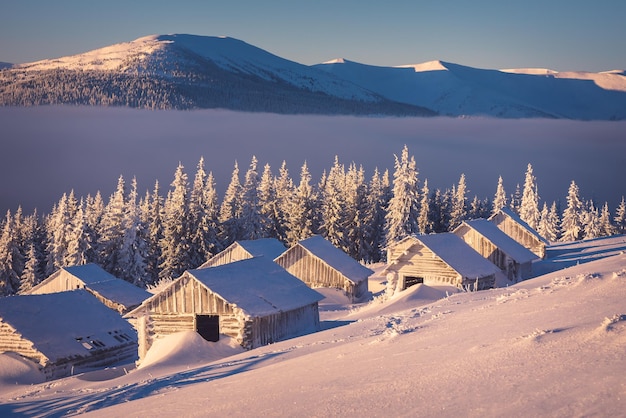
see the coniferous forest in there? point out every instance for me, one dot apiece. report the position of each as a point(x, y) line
point(157, 235)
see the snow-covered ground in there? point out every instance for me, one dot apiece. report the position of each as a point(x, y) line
point(549, 346)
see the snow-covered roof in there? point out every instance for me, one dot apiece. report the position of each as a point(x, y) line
point(105, 284)
point(505, 243)
point(514, 216)
point(336, 258)
point(457, 254)
point(64, 324)
point(256, 285)
point(266, 247)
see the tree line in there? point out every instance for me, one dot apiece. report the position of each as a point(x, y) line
point(144, 239)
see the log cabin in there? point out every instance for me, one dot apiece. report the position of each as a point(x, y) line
point(318, 263)
point(113, 292)
point(65, 333)
point(491, 242)
point(254, 301)
point(512, 225)
point(437, 259)
point(242, 250)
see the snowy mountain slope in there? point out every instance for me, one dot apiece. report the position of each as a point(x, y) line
point(5, 65)
point(457, 90)
point(549, 346)
point(186, 71)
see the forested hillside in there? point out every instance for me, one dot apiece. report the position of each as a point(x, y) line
point(144, 238)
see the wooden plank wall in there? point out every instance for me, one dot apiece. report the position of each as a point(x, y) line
point(12, 341)
point(62, 282)
point(422, 262)
point(313, 271)
point(520, 234)
point(265, 330)
point(234, 253)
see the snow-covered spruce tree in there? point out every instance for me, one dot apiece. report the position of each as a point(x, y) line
point(251, 221)
point(499, 200)
point(30, 275)
point(151, 217)
point(175, 243)
point(94, 211)
point(9, 257)
point(571, 222)
point(230, 211)
point(334, 221)
point(459, 204)
point(441, 208)
point(403, 209)
point(620, 217)
point(112, 228)
point(376, 203)
point(132, 264)
point(606, 226)
point(78, 244)
point(283, 189)
point(547, 227)
point(300, 212)
point(196, 213)
point(591, 222)
point(515, 202)
point(424, 221)
point(355, 213)
point(267, 204)
point(529, 205)
point(58, 227)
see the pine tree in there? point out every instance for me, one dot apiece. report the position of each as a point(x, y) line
point(620, 218)
point(333, 217)
point(202, 217)
point(499, 200)
point(424, 221)
point(516, 200)
point(376, 203)
point(529, 205)
point(606, 227)
point(9, 255)
point(459, 204)
point(251, 222)
point(403, 210)
point(267, 204)
point(230, 211)
point(175, 244)
point(112, 229)
point(571, 224)
point(94, 211)
point(30, 276)
point(132, 266)
point(78, 244)
point(152, 213)
point(591, 222)
point(355, 212)
point(300, 213)
point(283, 189)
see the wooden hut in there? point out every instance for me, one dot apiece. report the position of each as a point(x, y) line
point(318, 263)
point(512, 225)
point(65, 333)
point(242, 250)
point(491, 242)
point(254, 301)
point(115, 293)
point(437, 259)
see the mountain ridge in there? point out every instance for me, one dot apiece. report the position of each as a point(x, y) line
point(183, 71)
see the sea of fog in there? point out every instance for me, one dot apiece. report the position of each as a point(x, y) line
point(47, 151)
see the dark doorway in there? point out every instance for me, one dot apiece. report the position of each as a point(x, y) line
point(208, 326)
point(412, 281)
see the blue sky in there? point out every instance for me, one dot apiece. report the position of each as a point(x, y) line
point(561, 35)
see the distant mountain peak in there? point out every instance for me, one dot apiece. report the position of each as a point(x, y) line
point(435, 65)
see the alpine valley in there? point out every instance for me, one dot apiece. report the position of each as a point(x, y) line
point(193, 72)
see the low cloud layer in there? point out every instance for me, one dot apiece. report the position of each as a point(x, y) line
point(48, 151)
